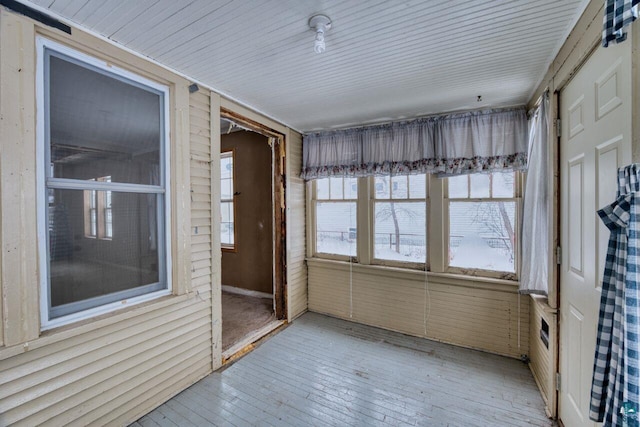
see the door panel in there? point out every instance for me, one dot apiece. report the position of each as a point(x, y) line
point(595, 108)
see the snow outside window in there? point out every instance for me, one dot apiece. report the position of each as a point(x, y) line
point(483, 222)
point(400, 225)
point(335, 202)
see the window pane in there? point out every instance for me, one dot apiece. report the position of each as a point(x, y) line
point(226, 165)
point(226, 211)
point(336, 228)
point(400, 231)
point(482, 235)
point(350, 188)
point(503, 184)
point(418, 186)
point(93, 217)
point(108, 220)
point(399, 189)
point(226, 192)
point(459, 187)
point(102, 125)
point(480, 184)
point(322, 188)
point(88, 272)
point(335, 185)
point(226, 223)
point(382, 187)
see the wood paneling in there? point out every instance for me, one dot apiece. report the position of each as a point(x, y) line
point(543, 356)
point(216, 261)
point(459, 311)
point(114, 368)
point(296, 238)
point(18, 235)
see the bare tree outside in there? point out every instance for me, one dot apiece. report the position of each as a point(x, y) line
point(482, 221)
point(496, 218)
point(394, 211)
point(400, 217)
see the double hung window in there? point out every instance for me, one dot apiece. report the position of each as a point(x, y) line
point(400, 218)
point(104, 170)
point(227, 207)
point(335, 212)
point(483, 229)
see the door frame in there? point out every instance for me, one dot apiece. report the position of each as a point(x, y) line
point(556, 117)
point(556, 294)
point(279, 205)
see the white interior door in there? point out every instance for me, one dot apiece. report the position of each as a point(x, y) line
point(595, 111)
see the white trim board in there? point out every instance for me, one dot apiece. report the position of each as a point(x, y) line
point(247, 292)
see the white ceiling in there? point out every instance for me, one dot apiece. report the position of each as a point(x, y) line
point(385, 59)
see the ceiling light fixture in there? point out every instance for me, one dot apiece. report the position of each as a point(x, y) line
point(320, 24)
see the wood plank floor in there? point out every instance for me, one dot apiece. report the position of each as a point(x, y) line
point(323, 371)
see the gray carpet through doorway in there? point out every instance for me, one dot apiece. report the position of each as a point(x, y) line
point(241, 315)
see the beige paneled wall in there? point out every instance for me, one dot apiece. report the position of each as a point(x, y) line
point(114, 368)
point(542, 355)
point(296, 238)
point(478, 313)
point(18, 261)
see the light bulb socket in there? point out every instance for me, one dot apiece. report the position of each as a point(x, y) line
point(320, 24)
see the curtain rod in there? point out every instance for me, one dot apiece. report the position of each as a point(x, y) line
point(416, 119)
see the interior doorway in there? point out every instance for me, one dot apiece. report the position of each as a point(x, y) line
point(252, 232)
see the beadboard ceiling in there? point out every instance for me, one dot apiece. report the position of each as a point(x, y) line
point(384, 60)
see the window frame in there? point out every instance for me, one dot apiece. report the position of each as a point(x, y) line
point(517, 199)
point(225, 246)
point(372, 212)
point(46, 182)
point(99, 200)
point(313, 234)
point(437, 233)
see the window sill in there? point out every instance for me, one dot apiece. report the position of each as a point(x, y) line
point(510, 286)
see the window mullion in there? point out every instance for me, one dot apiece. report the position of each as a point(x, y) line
point(79, 184)
point(438, 232)
point(364, 220)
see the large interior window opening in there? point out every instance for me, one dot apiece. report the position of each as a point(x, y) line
point(105, 139)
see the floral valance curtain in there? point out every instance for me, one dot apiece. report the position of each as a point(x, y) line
point(451, 144)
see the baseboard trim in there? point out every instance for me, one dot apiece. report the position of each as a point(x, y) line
point(247, 292)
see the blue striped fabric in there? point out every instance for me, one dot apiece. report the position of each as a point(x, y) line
point(615, 373)
point(617, 15)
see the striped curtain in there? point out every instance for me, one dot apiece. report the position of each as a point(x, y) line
point(616, 374)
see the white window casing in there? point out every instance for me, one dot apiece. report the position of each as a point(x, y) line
point(86, 308)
